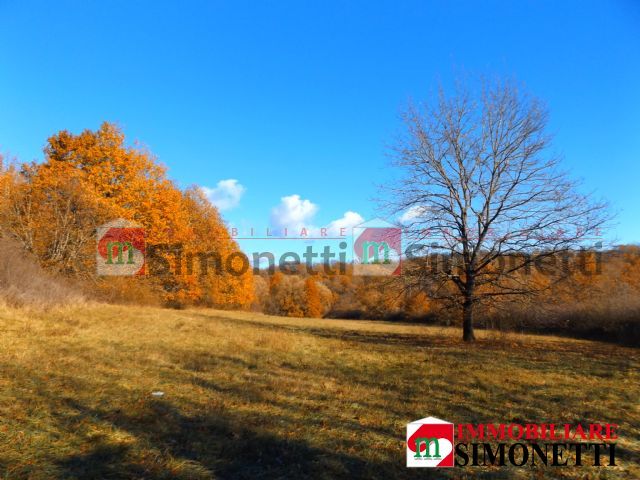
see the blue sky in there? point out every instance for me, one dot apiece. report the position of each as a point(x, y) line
point(300, 99)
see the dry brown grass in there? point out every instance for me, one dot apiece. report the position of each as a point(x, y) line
point(23, 283)
point(253, 396)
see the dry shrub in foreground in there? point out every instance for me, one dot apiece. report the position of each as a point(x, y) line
point(23, 283)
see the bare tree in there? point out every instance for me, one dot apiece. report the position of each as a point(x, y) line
point(479, 181)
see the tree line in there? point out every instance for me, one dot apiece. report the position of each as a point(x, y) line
point(476, 173)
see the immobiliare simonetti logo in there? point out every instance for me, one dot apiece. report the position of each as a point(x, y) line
point(120, 248)
point(377, 248)
point(432, 443)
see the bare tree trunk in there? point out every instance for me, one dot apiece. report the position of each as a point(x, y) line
point(467, 320)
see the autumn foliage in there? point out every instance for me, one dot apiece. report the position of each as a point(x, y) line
point(313, 302)
point(53, 208)
point(597, 296)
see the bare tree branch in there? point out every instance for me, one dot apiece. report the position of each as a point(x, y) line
point(479, 179)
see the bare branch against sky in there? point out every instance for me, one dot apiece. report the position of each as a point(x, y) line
point(480, 181)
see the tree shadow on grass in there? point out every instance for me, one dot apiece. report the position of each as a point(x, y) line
point(104, 461)
point(430, 339)
point(348, 335)
point(212, 446)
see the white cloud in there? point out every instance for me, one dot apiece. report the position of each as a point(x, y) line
point(226, 194)
point(293, 212)
point(413, 213)
point(349, 220)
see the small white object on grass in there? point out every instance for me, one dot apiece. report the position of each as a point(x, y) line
point(157, 394)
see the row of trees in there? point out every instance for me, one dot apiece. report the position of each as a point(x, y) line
point(478, 181)
point(592, 293)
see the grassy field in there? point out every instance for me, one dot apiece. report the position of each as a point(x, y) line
point(252, 396)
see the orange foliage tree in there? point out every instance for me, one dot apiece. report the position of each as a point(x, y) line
point(93, 177)
point(313, 307)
